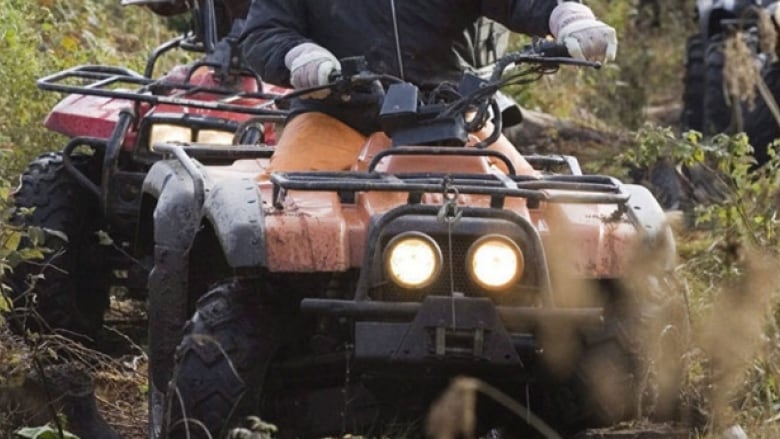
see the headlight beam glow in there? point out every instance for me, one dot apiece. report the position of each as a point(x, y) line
point(413, 260)
point(495, 262)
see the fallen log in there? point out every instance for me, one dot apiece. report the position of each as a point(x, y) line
point(539, 129)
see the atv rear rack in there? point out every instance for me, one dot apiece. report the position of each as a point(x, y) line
point(580, 189)
point(122, 83)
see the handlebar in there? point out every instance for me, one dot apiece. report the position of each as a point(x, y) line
point(356, 72)
point(473, 95)
point(540, 52)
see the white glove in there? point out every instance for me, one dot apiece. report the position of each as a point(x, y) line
point(574, 25)
point(310, 65)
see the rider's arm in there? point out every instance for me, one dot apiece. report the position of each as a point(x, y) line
point(570, 22)
point(529, 17)
point(273, 28)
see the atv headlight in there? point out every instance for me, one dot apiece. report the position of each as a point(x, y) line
point(165, 133)
point(215, 137)
point(495, 262)
point(412, 260)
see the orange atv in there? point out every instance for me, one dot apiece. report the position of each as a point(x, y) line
point(344, 302)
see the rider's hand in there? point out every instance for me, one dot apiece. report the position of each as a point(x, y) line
point(310, 65)
point(574, 25)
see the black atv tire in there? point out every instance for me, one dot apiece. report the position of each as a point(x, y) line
point(74, 292)
point(664, 183)
point(601, 389)
point(693, 84)
point(220, 364)
point(717, 112)
point(760, 124)
point(607, 372)
point(633, 366)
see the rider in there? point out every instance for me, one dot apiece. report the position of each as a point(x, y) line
point(299, 43)
point(226, 10)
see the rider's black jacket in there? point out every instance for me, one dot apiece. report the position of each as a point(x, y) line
point(428, 32)
point(431, 35)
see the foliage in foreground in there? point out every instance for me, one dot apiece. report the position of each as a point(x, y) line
point(40, 37)
point(729, 255)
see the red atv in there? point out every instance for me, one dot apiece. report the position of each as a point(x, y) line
point(342, 302)
point(113, 116)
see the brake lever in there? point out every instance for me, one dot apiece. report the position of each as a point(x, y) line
point(306, 93)
point(557, 53)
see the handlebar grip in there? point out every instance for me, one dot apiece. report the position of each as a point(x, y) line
point(551, 49)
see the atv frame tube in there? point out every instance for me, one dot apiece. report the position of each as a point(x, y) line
point(514, 318)
point(602, 189)
point(103, 77)
point(151, 60)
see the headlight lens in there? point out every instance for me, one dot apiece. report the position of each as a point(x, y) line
point(164, 133)
point(215, 137)
point(495, 262)
point(413, 260)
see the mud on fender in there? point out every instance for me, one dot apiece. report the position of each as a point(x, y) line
point(651, 222)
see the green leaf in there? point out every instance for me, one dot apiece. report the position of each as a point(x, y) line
point(104, 238)
point(43, 432)
point(37, 235)
point(5, 305)
point(11, 239)
point(70, 43)
point(57, 233)
point(26, 211)
point(28, 254)
point(10, 37)
point(698, 155)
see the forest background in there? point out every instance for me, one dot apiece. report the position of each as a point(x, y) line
point(728, 251)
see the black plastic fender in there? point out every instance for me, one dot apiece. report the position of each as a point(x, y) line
point(233, 207)
point(235, 210)
point(176, 220)
point(177, 215)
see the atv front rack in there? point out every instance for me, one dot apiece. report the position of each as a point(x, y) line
point(122, 83)
point(556, 188)
point(580, 189)
point(577, 189)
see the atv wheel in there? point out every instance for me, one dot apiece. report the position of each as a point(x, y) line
point(669, 329)
point(633, 366)
point(760, 125)
point(693, 84)
point(665, 184)
point(73, 292)
point(220, 364)
point(716, 116)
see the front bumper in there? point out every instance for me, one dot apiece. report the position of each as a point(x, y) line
point(449, 330)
